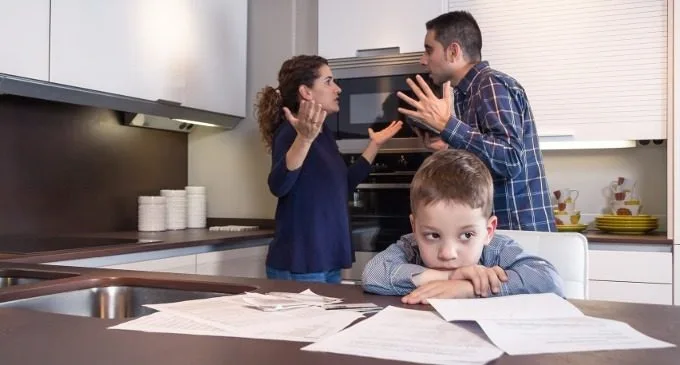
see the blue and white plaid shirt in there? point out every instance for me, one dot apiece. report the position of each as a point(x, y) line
point(493, 120)
point(391, 271)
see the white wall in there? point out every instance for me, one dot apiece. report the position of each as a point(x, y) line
point(590, 172)
point(234, 164)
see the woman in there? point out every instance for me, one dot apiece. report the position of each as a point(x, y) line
point(308, 174)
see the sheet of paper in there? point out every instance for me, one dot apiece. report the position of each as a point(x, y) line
point(411, 335)
point(231, 315)
point(307, 296)
point(524, 306)
point(168, 323)
point(522, 337)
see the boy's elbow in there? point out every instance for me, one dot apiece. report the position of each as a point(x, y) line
point(373, 281)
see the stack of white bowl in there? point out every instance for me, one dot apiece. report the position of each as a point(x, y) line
point(176, 208)
point(151, 213)
point(196, 206)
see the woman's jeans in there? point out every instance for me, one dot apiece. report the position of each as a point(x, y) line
point(332, 276)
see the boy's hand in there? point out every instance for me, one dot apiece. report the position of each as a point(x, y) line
point(440, 289)
point(482, 278)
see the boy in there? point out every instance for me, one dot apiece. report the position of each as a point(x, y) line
point(452, 252)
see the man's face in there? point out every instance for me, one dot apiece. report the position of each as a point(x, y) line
point(435, 59)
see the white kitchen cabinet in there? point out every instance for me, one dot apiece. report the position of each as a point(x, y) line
point(631, 292)
point(25, 38)
point(350, 25)
point(630, 273)
point(180, 264)
point(127, 47)
point(217, 53)
point(242, 262)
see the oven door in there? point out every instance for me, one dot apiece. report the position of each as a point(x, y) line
point(372, 102)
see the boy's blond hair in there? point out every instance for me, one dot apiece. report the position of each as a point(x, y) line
point(455, 176)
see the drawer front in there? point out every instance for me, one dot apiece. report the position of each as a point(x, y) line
point(232, 255)
point(631, 292)
point(631, 266)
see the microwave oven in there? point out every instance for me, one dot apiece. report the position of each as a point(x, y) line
point(369, 100)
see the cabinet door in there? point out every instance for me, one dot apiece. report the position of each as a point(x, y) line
point(350, 25)
point(631, 292)
point(181, 264)
point(243, 262)
point(126, 47)
point(216, 71)
point(25, 38)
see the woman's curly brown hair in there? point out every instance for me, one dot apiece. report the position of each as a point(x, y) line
point(296, 71)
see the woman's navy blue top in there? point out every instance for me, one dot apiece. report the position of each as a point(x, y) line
point(312, 218)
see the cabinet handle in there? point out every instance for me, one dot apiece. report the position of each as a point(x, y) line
point(169, 102)
point(370, 52)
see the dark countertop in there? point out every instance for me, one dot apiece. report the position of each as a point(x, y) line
point(168, 240)
point(203, 237)
point(34, 338)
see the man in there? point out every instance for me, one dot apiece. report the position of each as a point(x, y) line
point(492, 119)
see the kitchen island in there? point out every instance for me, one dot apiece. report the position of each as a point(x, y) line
point(38, 338)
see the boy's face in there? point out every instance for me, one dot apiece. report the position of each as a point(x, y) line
point(451, 235)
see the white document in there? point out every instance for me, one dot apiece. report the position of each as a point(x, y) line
point(232, 316)
point(411, 335)
point(168, 323)
point(523, 337)
point(524, 306)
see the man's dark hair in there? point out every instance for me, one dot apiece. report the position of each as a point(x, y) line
point(459, 27)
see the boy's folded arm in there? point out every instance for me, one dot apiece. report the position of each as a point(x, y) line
point(527, 274)
point(391, 271)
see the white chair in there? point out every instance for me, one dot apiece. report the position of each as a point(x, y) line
point(568, 252)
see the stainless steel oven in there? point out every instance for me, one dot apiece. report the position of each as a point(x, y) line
point(380, 206)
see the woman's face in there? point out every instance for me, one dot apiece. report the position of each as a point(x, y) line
point(325, 91)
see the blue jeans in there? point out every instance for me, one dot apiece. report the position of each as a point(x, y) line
point(332, 276)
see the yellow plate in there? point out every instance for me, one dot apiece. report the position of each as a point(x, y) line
point(624, 221)
point(627, 223)
point(571, 227)
point(625, 216)
point(643, 217)
point(627, 230)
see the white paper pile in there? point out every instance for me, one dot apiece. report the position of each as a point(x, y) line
point(235, 316)
point(518, 325)
point(543, 323)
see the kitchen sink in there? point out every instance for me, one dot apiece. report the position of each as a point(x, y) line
point(12, 277)
point(116, 301)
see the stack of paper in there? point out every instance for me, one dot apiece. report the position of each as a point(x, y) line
point(543, 323)
point(234, 316)
point(518, 325)
point(411, 335)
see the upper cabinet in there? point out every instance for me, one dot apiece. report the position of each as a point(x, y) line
point(348, 26)
point(127, 47)
point(184, 52)
point(25, 37)
point(217, 54)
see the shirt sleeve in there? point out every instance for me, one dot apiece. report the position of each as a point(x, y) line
point(358, 172)
point(281, 180)
point(391, 271)
point(527, 274)
point(499, 140)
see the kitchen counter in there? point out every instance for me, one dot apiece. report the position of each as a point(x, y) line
point(167, 240)
point(659, 238)
point(204, 237)
point(35, 338)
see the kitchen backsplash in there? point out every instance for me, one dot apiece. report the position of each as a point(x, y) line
point(67, 168)
point(591, 171)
